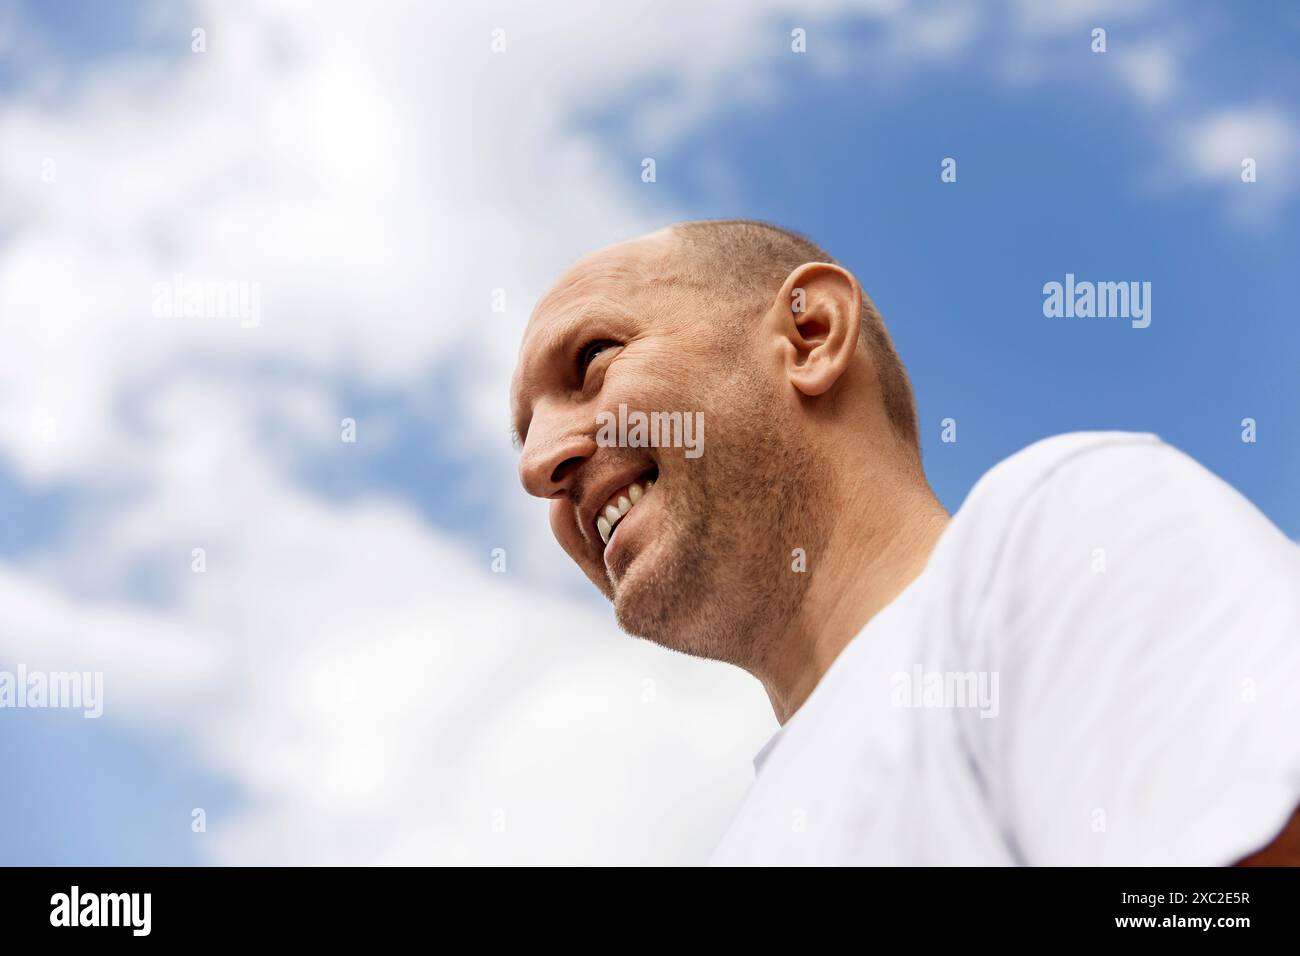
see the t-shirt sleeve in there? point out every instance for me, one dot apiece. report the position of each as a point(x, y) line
point(1143, 619)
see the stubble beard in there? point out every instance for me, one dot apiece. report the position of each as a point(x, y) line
point(725, 583)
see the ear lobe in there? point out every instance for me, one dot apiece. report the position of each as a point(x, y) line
point(817, 316)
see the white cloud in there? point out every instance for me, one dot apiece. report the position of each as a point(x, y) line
point(1068, 16)
point(1218, 143)
point(1210, 151)
point(1151, 72)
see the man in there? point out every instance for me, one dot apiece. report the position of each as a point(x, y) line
point(1096, 660)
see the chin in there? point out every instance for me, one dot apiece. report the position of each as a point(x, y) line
point(664, 593)
point(640, 608)
point(645, 606)
point(663, 616)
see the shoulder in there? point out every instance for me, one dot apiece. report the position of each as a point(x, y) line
point(1089, 482)
point(1118, 543)
point(1020, 475)
point(1005, 490)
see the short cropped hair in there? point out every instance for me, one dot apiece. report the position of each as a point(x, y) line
point(750, 260)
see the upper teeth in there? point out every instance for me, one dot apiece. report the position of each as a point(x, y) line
point(619, 505)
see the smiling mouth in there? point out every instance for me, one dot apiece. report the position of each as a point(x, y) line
point(622, 502)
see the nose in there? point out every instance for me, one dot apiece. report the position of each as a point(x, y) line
point(552, 455)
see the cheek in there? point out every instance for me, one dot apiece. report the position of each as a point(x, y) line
point(565, 528)
point(655, 379)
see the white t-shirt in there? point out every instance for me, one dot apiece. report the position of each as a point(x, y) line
point(1099, 665)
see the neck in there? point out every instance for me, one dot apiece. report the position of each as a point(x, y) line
point(871, 556)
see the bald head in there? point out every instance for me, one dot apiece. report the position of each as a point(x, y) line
point(746, 262)
point(743, 264)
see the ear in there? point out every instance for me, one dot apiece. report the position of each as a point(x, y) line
point(815, 321)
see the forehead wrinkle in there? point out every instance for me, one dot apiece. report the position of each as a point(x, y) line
point(559, 330)
point(639, 262)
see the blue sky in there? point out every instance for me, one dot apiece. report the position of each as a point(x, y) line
point(1110, 166)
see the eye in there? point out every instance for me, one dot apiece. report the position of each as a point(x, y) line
point(588, 353)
